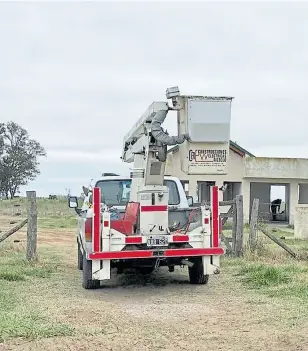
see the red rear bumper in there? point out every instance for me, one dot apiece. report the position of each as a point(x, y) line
point(125, 255)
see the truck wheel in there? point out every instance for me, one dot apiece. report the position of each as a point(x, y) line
point(87, 281)
point(80, 257)
point(196, 275)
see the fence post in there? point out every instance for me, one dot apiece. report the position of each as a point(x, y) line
point(239, 225)
point(32, 226)
point(253, 224)
point(234, 220)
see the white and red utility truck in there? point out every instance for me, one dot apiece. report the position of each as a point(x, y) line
point(145, 221)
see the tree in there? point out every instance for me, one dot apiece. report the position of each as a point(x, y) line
point(18, 158)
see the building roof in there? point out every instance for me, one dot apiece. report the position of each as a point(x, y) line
point(233, 146)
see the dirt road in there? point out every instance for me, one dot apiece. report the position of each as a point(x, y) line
point(161, 312)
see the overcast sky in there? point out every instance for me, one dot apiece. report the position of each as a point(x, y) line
point(78, 75)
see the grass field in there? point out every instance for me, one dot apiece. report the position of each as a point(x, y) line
point(258, 302)
point(51, 213)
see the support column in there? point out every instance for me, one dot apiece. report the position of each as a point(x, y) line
point(245, 191)
point(293, 200)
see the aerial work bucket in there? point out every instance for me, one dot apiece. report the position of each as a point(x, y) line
point(207, 122)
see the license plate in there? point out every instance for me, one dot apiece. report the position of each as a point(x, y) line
point(157, 241)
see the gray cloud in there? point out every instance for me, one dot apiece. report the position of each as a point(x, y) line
point(78, 75)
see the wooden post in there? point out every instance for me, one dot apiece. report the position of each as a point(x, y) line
point(32, 226)
point(233, 227)
point(239, 225)
point(253, 225)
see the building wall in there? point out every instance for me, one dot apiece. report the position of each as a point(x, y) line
point(291, 197)
point(301, 222)
point(303, 193)
point(235, 172)
point(274, 167)
point(245, 170)
point(264, 194)
point(292, 171)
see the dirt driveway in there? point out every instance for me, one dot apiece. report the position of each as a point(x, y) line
point(161, 312)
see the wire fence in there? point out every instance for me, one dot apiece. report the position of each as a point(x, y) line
point(45, 207)
point(52, 213)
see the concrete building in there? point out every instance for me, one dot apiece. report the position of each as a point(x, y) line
point(253, 177)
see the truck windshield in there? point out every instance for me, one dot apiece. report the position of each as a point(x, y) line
point(116, 192)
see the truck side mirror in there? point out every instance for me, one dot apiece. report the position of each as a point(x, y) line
point(73, 202)
point(190, 201)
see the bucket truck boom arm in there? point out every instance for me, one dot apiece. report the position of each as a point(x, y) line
point(203, 137)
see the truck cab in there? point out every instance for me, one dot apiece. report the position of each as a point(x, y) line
point(116, 192)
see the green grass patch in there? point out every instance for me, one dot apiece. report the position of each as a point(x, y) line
point(20, 315)
point(229, 262)
point(19, 273)
point(280, 281)
point(53, 222)
point(286, 278)
point(296, 290)
point(300, 243)
point(14, 266)
point(282, 233)
point(260, 275)
point(45, 207)
point(17, 321)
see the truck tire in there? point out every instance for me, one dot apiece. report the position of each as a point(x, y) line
point(87, 281)
point(196, 273)
point(79, 257)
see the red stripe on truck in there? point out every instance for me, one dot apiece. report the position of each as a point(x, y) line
point(125, 255)
point(133, 240)
point(194, 252)
point(157, 208)
point(116, 255)
point(180, 238)
point(215, 216)
point(96, 218)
